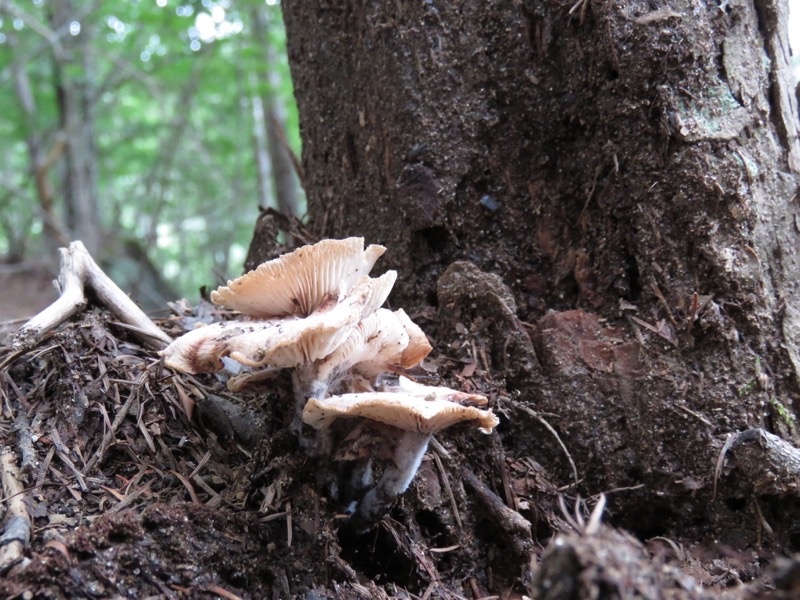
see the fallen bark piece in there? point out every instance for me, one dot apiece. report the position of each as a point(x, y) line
point(78, 272)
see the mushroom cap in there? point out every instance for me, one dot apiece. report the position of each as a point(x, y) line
point(407, 411)
point(373, 346)
point(418, 345)
point(278, 343)
point(383, 341)
point(297, 283)
point(405, 386)
point(201, 349)
point(281, 343)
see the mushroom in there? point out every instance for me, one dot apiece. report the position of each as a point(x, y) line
point(288, 342)
point(418, 411)
point(302, 305)
point(408, 406)
point(297, 283)
point(316, 311)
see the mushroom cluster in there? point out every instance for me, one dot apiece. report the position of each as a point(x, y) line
point(317, 311)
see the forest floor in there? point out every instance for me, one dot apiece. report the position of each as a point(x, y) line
point(143, 483)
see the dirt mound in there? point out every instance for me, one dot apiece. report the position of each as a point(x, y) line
point(139, 483)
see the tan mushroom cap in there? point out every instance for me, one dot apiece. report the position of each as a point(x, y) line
point(410, 412)
point(200, 350)
point(383, 341)
point(374, 345)
point(405, 386)
point(418, 345)
point(281, 343)
point(299, 282)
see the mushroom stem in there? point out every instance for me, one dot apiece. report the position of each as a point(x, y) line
point(396, 478)
point(307, 385)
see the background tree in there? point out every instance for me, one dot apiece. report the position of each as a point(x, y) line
point(629, 170)
point(126, 126)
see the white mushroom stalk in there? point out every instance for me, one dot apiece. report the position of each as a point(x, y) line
point(316, 311)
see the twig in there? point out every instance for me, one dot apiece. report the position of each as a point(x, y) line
point(596, 517)
point(110, 434)
point(720, 461)
point(17, 532)
point(62, 454)
point(449, 490)
point(23, 427)
point(189, 487)
point(514, 524)
point(215, 589)
point(549, 428)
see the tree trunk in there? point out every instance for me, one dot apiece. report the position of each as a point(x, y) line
point(75, 99)
point(273, 117)
point(629, 174)
point(41, 160)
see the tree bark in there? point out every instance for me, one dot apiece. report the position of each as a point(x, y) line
point(629, 173)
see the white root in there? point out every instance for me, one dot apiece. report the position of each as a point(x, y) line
point(78, 272)
point(396, 477)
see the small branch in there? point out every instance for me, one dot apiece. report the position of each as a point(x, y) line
point(79, 271)
point(25, 444)
point(110, 434)
point(17, 532)
point(514, 524)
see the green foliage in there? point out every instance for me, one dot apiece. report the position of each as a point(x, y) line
point(171, 84)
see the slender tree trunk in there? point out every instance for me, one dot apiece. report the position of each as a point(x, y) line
point(41, 160)
point(260, 152)
point(75, 104)
point(284, 179)
point(629, 173)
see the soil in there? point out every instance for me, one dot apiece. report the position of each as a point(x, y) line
point(141, 482)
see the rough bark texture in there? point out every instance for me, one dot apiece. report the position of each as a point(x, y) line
point(631, 167)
